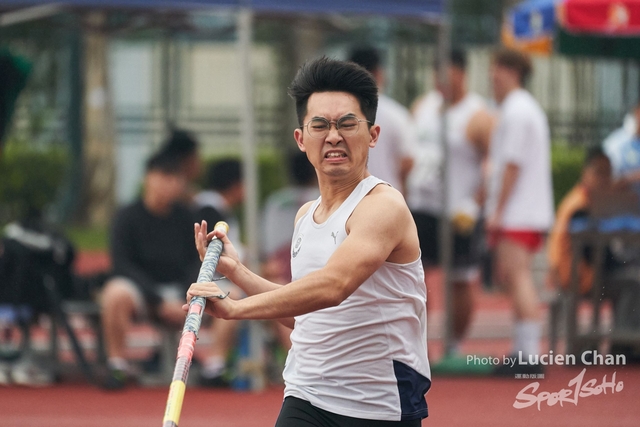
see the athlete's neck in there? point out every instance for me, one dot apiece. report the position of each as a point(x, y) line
point(334, 191)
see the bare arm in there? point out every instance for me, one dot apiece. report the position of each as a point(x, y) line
point(479, 131)
point(379, 230)
point(230, 265)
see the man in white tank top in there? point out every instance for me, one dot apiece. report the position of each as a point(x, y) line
point(357, 302)
point(469, 130)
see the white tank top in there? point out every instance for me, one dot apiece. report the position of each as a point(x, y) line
point(464, 169)
point(367, 357)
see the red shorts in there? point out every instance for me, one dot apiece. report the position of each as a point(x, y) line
point(531, 240)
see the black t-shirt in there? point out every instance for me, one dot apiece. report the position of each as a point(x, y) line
point(150, 249)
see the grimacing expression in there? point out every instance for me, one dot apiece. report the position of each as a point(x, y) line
point(336, 154)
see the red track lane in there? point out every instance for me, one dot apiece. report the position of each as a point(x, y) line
point(452, 402)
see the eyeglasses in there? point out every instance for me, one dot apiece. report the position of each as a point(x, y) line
point(319, 127)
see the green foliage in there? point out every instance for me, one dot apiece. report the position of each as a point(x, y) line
point(88, 238)
point(272, 170)
point(566, 167)
point(29, 179)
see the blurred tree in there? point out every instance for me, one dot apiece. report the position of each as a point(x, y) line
point(14, 71)
point(476, 22)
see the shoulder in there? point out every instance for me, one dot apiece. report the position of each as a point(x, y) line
point(303, 210)
point(574, 200)
point(130, 211)
point(427, 103)
point(476, 101)
point(392, 111)
point(383, 204)
point(128, 218)
point(392, 105)
point(520, 103)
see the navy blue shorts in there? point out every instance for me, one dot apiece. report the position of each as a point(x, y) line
point(300, 413)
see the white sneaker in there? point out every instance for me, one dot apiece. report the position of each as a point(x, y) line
point(29, 374)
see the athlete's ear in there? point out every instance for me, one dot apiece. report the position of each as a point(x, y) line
point(298, 136)
point(374, 133)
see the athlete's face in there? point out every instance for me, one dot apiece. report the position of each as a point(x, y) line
point(336, 154)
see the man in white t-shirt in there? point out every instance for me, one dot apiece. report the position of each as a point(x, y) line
point(520, 196)
point(469, 131)
point(391, 159)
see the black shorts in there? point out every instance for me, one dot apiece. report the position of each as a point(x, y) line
point(467, 249)
point(300, 413)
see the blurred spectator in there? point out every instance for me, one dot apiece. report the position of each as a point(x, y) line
point(623, 148)
point(280, 212)
point(224, 192)
point(520, 196)
point(154, 261)
point(183, 147)
point(469, 131)
point(595, 179)
point(594, 197)
point(391, 159)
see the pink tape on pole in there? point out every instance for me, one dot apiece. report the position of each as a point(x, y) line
point(187, 345)
point(195, 309)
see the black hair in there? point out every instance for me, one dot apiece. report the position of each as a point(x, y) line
point(330, 75)
point(457, 58)
point(164, 162)
point(180, 144)
point(594, 153)
point(367, 57)
point(301, 170)
point(224, 174)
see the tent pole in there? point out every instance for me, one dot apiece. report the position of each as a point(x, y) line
point(445, 235)
point(250, 172)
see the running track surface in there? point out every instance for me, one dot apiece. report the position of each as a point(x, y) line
point(452, 402)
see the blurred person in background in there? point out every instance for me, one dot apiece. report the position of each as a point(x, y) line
point(153, 262)
point(184, 148)
point(223, 193)
point(623, 148)
point(595, 197)
point(595, 179)
point(469, 131)
point(280, 212)
point(519, 197)
point(392, 158)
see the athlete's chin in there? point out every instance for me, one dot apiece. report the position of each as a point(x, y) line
point(336, 171)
